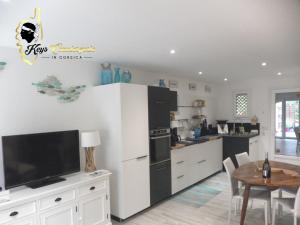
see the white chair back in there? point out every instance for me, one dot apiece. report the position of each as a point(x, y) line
point(233, 183)
point(242, 158)
point(297, 203)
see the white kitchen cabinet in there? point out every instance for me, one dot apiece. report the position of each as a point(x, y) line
point(194, 163)
point(80, 200)
point(122, 117)
point(63, 215)
point(254, 148)
point(93, 210)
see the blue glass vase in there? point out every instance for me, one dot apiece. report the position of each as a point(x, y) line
point(106, 74)
point(117, 75)
point(126, 76)
point(162, 83)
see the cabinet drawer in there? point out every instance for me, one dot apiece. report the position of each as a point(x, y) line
point(179, 183)
point(90, 188)
point(17, 212)
point(57, 199)
point(178, 168)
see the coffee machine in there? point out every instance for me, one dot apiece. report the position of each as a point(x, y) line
point(175, 138)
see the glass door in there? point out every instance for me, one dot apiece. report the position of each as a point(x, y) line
point(291, 118)
point(287, 117)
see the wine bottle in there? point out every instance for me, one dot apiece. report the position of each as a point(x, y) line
point(266, 170)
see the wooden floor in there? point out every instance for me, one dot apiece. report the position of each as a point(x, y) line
point(213, 212)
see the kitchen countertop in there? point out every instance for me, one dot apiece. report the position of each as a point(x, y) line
point(240, 136)
point(188, 142)
point(204, 139)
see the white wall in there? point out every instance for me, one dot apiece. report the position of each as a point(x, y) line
point(23, 110)
point(261, 99)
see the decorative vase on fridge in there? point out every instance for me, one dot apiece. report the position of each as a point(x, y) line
point(126, 76)
point(106, 74)
point(117, 75)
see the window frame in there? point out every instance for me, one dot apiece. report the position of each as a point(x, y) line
point(234, 96)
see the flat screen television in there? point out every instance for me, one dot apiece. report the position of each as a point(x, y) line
point(39, 159)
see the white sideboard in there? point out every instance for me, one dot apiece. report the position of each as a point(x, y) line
point(194, 163)
point(80, 200)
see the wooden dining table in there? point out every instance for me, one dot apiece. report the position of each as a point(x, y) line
point(283, 175)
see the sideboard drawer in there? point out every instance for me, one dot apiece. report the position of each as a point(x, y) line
point(90, 188)
point(17, 212)
point(57, 199)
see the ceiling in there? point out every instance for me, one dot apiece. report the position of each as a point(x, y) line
point(221, 38)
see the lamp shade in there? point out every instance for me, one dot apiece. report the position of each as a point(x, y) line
point(90, 139)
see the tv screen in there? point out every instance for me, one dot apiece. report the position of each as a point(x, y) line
point(33, 157)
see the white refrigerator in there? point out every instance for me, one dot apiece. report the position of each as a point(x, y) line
point(122, 112)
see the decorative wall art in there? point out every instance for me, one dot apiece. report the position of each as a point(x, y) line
point(173, 84)
point(192, 86)
point(2, 65)
point(51, 86)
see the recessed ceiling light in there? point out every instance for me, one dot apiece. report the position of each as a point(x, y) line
point(279, 73)
point(225, 79)
point(172, 51)
point(263, 63)
point(200, 73)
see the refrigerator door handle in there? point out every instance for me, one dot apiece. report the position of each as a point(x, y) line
point(142, 157)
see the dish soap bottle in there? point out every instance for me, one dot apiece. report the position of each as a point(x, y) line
point(266, 169)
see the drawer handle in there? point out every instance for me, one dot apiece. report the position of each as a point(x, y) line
point(92, 188)
point(58, 199)
point(180, 162)
point(180, 177)
point(13, 214)
point(202, 161)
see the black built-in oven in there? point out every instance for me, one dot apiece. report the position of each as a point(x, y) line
point(160, 145)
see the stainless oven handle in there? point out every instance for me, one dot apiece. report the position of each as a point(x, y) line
point(153, 138)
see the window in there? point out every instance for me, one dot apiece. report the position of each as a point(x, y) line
point(241, 105)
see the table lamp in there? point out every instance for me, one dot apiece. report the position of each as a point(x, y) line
point(89, 140)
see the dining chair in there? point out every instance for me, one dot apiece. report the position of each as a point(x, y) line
point(242, 158)
point(236, 193)
point(293, 204)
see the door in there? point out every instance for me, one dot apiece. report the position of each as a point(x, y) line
point(160, 181)
point(287, 117)
point(134, 117)
point(136, 186)
point(93, 210)
point(159, 107)
point(64, 215)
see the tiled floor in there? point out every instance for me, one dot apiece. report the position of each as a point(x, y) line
point(287, 147)
point(183, 208)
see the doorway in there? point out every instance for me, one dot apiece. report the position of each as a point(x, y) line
point(287, 117)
